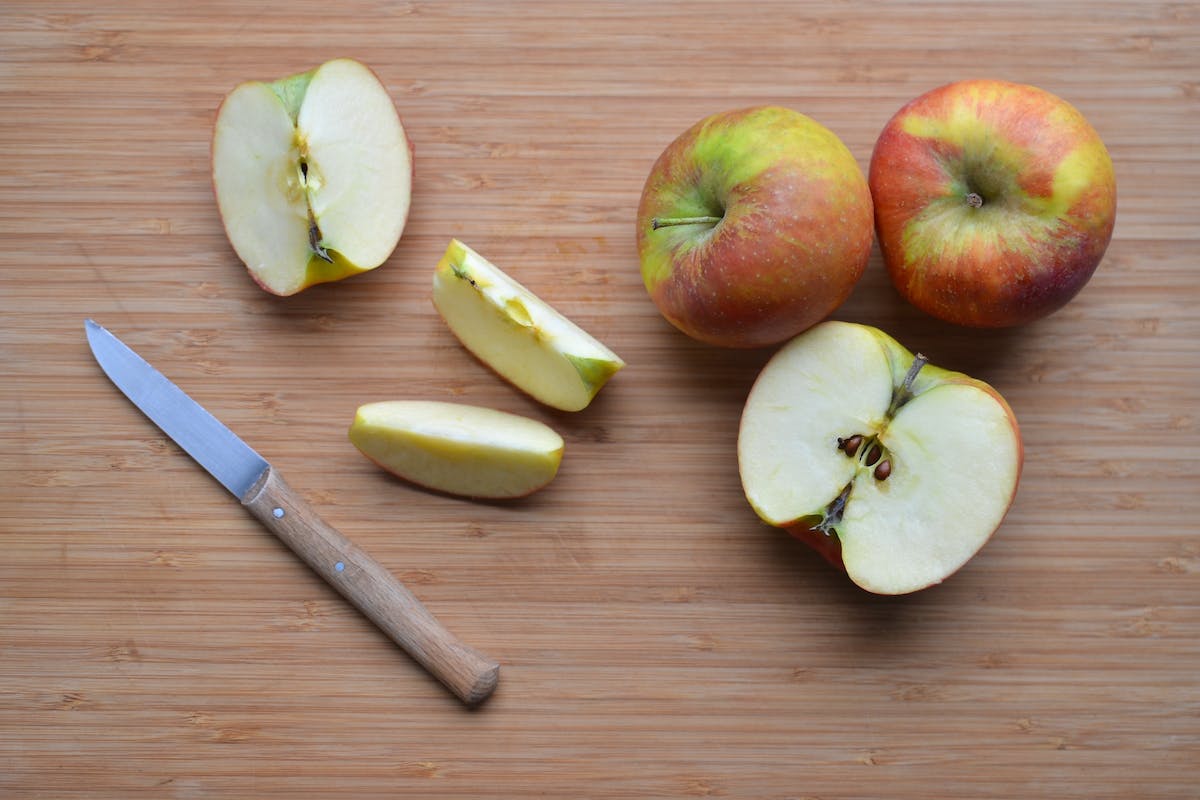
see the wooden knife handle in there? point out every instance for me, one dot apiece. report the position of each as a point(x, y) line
point(371, 588)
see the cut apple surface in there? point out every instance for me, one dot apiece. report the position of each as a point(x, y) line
point(459, 449)
point(312, 174)
point(521, 337)
point(893, 469)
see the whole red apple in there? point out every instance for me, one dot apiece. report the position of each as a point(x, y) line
point(994, 202)
point(753, 226)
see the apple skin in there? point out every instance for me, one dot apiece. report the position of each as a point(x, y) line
point(1048, 194)
point(794, 234)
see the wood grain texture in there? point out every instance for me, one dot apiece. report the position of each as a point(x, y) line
point(657, 640)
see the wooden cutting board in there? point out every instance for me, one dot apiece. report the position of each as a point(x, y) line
point(656, 639)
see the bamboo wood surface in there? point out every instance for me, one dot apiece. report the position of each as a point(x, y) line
point(656, 639)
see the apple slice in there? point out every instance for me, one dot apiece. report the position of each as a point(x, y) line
point(459, 449)
point(517, 334)
point(313, 175)
point(894, 470)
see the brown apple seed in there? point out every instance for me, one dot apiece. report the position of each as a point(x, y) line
point(850, 446)
point(883, 470)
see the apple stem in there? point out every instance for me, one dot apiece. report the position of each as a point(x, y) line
point(905, 393)
point(918, 362)
point(657, 223)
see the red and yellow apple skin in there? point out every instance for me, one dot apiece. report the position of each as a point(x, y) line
point(780, 229)
point(994, 202)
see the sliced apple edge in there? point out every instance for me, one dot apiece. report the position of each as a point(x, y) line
point(517, 334)
point(460, 449)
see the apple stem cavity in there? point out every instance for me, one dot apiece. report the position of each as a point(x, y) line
point(657, 223)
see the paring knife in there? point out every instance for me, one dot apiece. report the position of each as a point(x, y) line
point(259, 487)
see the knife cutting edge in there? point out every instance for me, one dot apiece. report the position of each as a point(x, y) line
point(367, 584)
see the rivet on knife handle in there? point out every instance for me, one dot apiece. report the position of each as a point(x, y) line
point(371, 588)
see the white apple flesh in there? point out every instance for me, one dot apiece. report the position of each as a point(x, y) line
point(459, 449)
point(520, 336)
point(895, 470)
point(312, 174)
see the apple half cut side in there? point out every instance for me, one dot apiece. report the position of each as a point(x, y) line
point(459, 449)
point(312, 174)
point(521, 337)
point(894, 470)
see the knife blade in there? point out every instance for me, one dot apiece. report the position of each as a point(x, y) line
point(259, 487)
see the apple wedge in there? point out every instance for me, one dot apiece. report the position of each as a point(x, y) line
point(458, 449)
point(894, 470)
point(312, 174)
point(517, 334)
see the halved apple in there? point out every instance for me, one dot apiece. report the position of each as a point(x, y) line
point(894, 470)
point(459, 449)
point(517, 334)
point(313, 175)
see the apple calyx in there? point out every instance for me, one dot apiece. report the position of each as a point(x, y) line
point(314, 239)
point(974, 200)
point(658, 222)
point(869, 451)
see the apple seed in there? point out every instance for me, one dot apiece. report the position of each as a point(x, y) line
point(883, 470)
point(850, 446)
point(873, 455)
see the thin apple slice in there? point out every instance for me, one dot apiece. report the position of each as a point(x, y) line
point(897, 471)
point(458, 449)
point(312, 174)
point(520, 336)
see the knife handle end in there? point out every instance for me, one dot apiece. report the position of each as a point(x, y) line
point(371, 588)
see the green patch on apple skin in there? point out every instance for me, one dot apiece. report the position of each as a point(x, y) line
point(594, 372)
point(738, 148)
point(456, 256)
point(291, 91)
point(986, 201)
point(732, 150)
